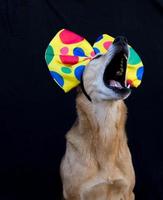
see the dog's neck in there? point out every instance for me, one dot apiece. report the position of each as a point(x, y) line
point(101, 122)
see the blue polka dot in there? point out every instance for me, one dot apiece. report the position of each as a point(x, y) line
point(140, 72)
point(79, 71)
point(96, 50)
point(58, 78)
point(99, 38)
point(78, 52)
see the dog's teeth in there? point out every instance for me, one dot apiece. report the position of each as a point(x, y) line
point(125, 56)
point(119, 73)
point(128, 86)
point(125, 83)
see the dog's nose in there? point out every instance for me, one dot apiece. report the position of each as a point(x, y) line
point(120, 40)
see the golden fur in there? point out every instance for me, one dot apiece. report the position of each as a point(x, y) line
point(97, 164)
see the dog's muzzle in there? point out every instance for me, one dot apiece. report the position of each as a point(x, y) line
point(115, 72)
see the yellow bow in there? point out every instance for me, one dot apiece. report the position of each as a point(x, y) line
point(68, 54)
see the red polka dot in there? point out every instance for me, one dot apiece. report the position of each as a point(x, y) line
point(64, 50)
point(129, 82)
point(68, 37)
point(107, 45)
point(92, 53)
point(72, 60)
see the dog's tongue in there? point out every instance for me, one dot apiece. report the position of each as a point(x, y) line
point(114, 83)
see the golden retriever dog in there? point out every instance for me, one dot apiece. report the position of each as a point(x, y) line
point(97, 164)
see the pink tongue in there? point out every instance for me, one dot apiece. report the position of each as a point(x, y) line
point(116, 84)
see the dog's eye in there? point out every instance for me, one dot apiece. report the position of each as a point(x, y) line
point(99, 55)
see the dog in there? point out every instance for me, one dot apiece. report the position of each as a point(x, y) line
point(97, 164)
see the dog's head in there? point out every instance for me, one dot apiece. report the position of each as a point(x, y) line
point(69, 55)
point(104, 77)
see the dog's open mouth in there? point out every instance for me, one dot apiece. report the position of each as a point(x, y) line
point(115, 72)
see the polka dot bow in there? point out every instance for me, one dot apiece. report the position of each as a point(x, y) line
point(68, 54)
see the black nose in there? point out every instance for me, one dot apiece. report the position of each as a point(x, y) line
point(120, 40)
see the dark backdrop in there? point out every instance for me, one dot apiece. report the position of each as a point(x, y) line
point(35, 113)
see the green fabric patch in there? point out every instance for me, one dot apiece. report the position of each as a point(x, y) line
point(66, 70)
point(49, 54)
point(133, 57)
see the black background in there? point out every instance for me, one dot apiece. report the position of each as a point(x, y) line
point(35, 113)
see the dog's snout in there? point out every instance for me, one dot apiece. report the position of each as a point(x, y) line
point(120, 40)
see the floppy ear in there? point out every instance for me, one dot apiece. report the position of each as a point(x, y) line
point(66, 57)
point(135, 68)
